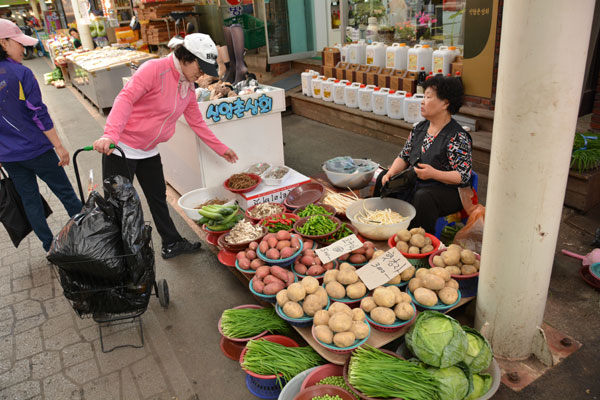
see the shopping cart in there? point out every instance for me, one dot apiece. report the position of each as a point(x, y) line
point(39, 47)
point(116, 289)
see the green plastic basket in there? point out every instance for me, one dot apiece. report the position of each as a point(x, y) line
point(254, 30)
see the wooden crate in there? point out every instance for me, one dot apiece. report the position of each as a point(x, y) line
point(583, 190)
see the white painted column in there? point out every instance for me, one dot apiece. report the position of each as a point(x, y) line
point(543, 52)
point(83, 25)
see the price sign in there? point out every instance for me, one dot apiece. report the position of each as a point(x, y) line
point(339, 248)
point(383, 268)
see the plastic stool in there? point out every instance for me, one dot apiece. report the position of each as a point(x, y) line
point(441, 222)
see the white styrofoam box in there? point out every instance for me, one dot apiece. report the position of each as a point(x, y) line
point(275, 181)
point(189, 201)
point(272, 194)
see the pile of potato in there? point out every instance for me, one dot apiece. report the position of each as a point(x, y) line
point(340, 325)
point(387, 304)
point(280, 245)
point(413, 241)
point(457, 261)
point(247, 259)
point(432, 284)
point(310, 264)
point(360, 255)
point(343, 282)
point(304, 297)
point(271, 279)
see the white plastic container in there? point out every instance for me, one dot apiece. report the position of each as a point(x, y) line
point(420, 56)
point(306, 78)
point(338, 91)
point(396, 56)
point(395, 104)
point(443, 57)
point(380, 100)
point(365, 97)
point(376, 54)
point(327, 89)
point(372, 33)
point(412, 108)
point(317, 84)
point(351, 94)
point(357, 52)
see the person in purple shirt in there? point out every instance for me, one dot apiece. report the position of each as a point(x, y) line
point(29, 144)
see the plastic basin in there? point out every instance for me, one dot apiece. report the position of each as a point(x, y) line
point(284, 340)
point(322, 372)
point(356, 180)
point(193, 199)
point(321, 390)
point(375, 231)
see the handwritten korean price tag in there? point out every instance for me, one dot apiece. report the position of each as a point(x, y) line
point(339, 248)
point(383, 268)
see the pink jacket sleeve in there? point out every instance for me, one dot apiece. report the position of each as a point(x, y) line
point(140, 83)
point(193, 116)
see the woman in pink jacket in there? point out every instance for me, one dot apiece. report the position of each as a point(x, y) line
point(144, 114)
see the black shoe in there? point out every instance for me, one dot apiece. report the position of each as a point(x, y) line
point(183, 246)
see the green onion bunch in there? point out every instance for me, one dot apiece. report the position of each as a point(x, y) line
point(267, 358)
point(377, 374)
point(239, 323)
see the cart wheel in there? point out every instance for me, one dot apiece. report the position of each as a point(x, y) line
point(163, 293)
point(40, 53)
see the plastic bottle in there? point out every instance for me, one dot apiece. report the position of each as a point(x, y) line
point(372, 33)
point(412, 108)
point(327, 90)
point(338, 91)
point(376, 54)
point(420, 56)
point(379, 100)
point(395, 104)
point(365, 97)
point(351, 94)
point(396, 56)
point(317, 84)
point(421, 80)
point(306, 78)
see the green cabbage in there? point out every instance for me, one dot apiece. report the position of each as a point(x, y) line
point(481, 385)
point(479, 352)
point(455, 382)
point(437, 339)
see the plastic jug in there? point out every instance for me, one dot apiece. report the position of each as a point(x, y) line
point(365, 97)
point(442, 58)
point(306, 78)
point(396, 56)
point(395, 104)
point(317, 83)
point(420, 56)
point(327, 89)
point(351, 94)
point(338, 91)
point(357, 52)
point(380, 100)
point(376, 54)
point(412, 108)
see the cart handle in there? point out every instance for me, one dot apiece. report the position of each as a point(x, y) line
point(90, 148)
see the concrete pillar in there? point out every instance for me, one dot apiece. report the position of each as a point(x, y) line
point(343, 20)
point(83, 25)
point(543, 52)
point(43, 6)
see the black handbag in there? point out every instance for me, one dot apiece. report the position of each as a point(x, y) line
point(12, 212)
point(403, 182)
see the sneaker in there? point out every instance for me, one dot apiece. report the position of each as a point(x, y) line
point(183, 246)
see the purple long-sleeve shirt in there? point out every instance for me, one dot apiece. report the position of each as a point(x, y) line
point(23, 116)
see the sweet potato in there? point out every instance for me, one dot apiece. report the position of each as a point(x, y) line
point(357, 259)
point(283, 235)
point(258, 285)
point(272, 241)
point(315, 270)
point(253, 245)
point(262, 271)
point(287, 252)
point(279, 272)
point(295, 243)
point(328, 266)
point(263, 247)
point(244, 263)
point(272, 288)
point(290, 278)
point(300, 268)
point(250, 255)
point(273, 279)
point(273, 254)
point(256, 263)
point(283, 243)
point(240, 255)
point(307, 260)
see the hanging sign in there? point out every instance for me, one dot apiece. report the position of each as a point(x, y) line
point(380, 270)
point(339, 248)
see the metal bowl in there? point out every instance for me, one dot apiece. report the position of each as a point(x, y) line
point(356, 180)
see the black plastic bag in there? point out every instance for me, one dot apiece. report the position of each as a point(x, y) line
point(12, 212)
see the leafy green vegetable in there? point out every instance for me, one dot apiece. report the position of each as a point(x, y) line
point(455, 382)
point(481, 385)
point(437, 339)
point(479, 352)
point(239, 323)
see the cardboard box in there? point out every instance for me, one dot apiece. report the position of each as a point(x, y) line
point(457, 66)
point(409, 82)
point(329, 71)
point(350, 73)
point(396, 79)
point(383, 78)
point(340, 70)
point(272, 194)
point(372, 73)
point(331, 56)
point(361, 74)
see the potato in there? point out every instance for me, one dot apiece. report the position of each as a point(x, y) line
point(311, 305)
point(324, 334)
point(417, 240)
point(415, 283)
point(453, 270)
point(347, 277)
point(377, 253)
point(426, 249)
point(468, 269)
point(408, 273)
point(448, 295)
point(344, 339)
point(451, 257)
point(466, 256)
point(427, 240)
point(403, 236)
point(272, 288)
point(397, 293)
point(310, 284)
point(384, 297)
point(404, 311)
point(345, 266)
point(417, 231)
point(287, 252)
point(433, 282)
point(395, 280)
point(383, 315)
point(340, 322)
point(441, 272)
point(321, 317)
point(340, 307)
point(321, 293)
point(477, 264)
point(282, 297)
point(426, 297)
point(358, 314)
point(360, 329)
point(453, 283)
point(272, 254)
point(315, 270)
point(367, 304)
point(335, 290)
point(421, 272)
point(293, 310)
point(296, 292)
point(402, 247)
point(404, 298)
point(244, 263)
point(356, 290)
point(414, 250)
point(283, 235)
point(330, 276)
point(438, 261)
point(455, 247)
point(258, 285)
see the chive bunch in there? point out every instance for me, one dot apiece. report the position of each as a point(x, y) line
point(239, 323)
